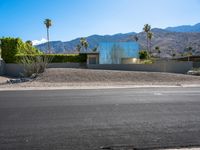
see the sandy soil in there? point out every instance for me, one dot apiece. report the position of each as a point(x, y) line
point(85, 77)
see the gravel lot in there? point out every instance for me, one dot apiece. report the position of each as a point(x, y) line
point(86, 77)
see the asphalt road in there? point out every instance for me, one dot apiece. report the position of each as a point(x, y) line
point(89, 119)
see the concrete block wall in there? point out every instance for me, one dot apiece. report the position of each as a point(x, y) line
point(15, 70)
point(2, 67)
point(171, 67)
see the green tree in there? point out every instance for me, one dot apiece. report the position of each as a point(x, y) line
point(94, 49)
point(29, 43)
point(48, 24)
point(136, 38)
point(150, 36)
point(189, 52)
point(143, 54)
point(157, 48)
point(84, 43)
point(147, 29)
point(78, 47)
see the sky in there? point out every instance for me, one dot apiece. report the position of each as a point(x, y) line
point(81, 18)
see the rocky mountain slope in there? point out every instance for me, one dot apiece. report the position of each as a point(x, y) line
point(185, 28)
point(172, 40)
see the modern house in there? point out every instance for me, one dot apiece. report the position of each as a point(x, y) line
point(114, 53)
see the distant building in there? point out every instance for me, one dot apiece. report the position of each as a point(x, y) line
point(114, 52)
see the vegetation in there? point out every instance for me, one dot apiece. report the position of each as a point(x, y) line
point(150, 36)
point(84, 44)
point(136, 38)
point(78, 47)
point(143, 54)
point(15, 46)
point(48, 24)
point(57, 58)
point(188, 52)
point(147, 29)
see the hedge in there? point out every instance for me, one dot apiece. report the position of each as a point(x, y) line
point(58, 58)
point(10, 47)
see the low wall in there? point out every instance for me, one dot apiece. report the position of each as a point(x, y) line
point(171, 67)
point(2, 67)
point(14, 70)
point(196, 64)
point(66, 65)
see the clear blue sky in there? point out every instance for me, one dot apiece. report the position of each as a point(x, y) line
point(80, 18)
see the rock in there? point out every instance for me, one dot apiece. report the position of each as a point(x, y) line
point(13, 81)
point(33, 76)
point(193, 72)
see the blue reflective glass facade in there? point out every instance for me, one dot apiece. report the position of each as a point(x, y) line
point(113, 52)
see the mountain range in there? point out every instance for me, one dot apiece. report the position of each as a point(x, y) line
point(171, 40)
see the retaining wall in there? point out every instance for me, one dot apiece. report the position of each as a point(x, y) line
point(15, 70)
point(171, 67)
point(2, 67)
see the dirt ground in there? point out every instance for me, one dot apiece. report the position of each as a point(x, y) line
point(88, 77)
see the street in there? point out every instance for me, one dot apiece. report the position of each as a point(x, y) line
point(91, 119)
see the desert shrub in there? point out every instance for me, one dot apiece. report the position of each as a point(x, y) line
point(34, 64)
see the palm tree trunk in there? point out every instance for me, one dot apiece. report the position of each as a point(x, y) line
point(147, 43)
point(48, 40)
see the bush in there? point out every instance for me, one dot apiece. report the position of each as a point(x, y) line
point(57, 58)
point(143, 54)
point(10, 47)
point(34, 64)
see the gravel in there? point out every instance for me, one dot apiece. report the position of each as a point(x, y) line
point(87, 77)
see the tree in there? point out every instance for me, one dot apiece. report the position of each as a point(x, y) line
point(94, 49)
point(48, 24)
point(143, 54)
point(84, 43)
point(147, 29)
point(157, 48)
point(150, 36)
point(189, 52)
point(29, 43)
point(136, 38)
point(78, 47)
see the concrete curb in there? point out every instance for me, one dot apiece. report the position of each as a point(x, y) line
point(95, 87)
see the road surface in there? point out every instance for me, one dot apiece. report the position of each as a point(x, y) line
point(90, 119)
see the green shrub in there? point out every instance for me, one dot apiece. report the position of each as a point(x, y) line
point(57, 58)
point(143, 54)
point(10, 47)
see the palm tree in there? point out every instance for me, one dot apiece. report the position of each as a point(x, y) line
point(84, 43)
point(147, 29)
point(78, 47)
point(48, 24)
point(189, 49)
point(150, 36)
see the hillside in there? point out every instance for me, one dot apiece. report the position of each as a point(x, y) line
point(185, 28)
point(172, 40)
